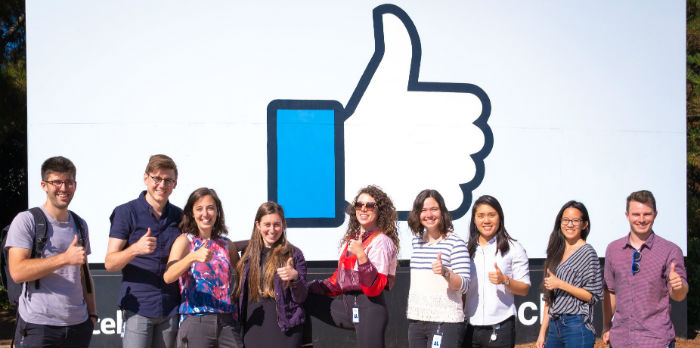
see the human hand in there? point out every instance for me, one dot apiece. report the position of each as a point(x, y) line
point(146, 244)
point(497, 277)
point(551, 281)
point(203, 254)
point(540, 341)
point(606, 336)
point(437, 264)
point(355, 246)
point(75, 254)
point(674, 279)
point(287, 272)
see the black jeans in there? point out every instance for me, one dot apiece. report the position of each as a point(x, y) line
point(337, 311)
point(35, 335)
point(420, 334)
point(209, 330)
point(480, 336)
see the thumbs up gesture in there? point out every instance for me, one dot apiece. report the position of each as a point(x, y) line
point(355, 245)
point(497, 276)
point(437, 264)
point(146, 244)
point(75, 254)
point(287, 272)
point(551, 281)
point(674, 279)
point(203, 254)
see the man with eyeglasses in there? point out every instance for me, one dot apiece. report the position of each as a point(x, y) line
point(142, 232)
point(56, 307)
point(642, 270)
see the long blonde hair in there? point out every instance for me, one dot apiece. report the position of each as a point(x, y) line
point(281, 251)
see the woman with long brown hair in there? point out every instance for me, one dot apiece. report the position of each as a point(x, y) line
point(352, 298)
point(202, 258)
point(272, 285)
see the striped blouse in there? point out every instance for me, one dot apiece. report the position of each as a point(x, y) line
point(429, 298)
point(581, 269)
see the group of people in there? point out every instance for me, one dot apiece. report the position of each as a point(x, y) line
point(186, 284)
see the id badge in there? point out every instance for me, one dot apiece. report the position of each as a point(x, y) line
point(355, 315)
point(437, 340)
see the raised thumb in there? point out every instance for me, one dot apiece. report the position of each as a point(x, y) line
point(148, 233)
point(290, 263)
point(549, 272)
point(495, 265)
point(75, 241)
point(439, 258)
point(673, 267)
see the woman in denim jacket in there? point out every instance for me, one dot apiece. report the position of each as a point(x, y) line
point(272, 286)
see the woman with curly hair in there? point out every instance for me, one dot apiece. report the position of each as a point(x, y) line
point(499, 270)
point(202, 258)
point(439, 275)
point(572, 282)
point(352, 298)
point(272, 286)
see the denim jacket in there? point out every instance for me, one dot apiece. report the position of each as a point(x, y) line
point(289, 301)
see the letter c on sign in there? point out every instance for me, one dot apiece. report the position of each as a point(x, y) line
point(521, 313)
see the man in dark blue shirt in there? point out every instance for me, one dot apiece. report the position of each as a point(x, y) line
point(142, 232)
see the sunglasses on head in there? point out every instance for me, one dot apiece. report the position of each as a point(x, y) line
point(368, 205)
point(636, 256)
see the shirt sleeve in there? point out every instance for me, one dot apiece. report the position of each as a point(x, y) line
point(374, 272)
point(520, 263)
point(298, 288)
point(120, 223)
point(21, 232)
point(609, 272)
point(459, 263)
point(592, 281)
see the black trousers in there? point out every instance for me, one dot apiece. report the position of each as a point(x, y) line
point(480, 336)
point(420, 334)
point(34, 335)
point(337, 311)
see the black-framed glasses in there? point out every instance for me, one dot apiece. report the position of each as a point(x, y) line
point(58, 183)
point(368, 205)
point(566, 221)
point(167, 181)
point(636, 256)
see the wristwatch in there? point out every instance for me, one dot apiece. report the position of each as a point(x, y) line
point(97, 317)
point(507, 282)
point(445, 272)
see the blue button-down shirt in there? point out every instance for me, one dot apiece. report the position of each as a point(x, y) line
point(143, 290)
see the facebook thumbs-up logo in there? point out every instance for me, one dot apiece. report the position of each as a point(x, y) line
point(395, 131)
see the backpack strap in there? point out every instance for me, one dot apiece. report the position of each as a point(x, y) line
point(41, 230)
point(81, 240)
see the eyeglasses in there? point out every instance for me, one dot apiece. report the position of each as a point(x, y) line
point(636, 256)
point(368, 205)
point(157, 180)
point(576, 222)
point(58, 183)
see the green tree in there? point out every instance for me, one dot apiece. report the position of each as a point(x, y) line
point(693, 139)
point(13, 114)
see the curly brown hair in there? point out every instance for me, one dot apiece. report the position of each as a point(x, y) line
point(387, 216)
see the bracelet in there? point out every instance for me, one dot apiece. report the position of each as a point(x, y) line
point(97, 317)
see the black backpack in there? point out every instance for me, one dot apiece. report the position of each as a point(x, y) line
point(14, 290)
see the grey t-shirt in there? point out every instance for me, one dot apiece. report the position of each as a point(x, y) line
point(59, 300)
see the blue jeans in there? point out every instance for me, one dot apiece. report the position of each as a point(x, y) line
point(568, 331)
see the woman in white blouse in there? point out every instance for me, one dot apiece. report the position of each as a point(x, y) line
point(499, 270)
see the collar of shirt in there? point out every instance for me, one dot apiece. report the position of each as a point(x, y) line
point(649, 243)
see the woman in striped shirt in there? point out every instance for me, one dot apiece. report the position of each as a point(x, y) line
point(439, 275)
point(572, 284)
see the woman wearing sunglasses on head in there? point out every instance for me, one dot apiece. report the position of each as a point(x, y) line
point(499, 270)
point(572, 282)
point(202, 258)
point(353, 298)
point(439, 275)
point(272, 287)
